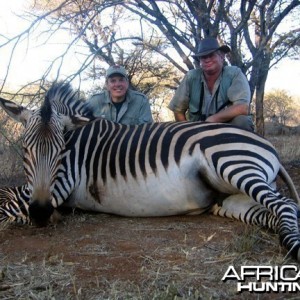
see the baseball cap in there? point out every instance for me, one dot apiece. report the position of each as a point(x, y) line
point(116, 69)
point(209, 45)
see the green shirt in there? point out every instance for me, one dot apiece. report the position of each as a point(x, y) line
point(231, 88)
point(135, 109)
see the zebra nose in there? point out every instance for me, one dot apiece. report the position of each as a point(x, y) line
point(40, 213)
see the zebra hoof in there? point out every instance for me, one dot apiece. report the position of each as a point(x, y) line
point(40, 214)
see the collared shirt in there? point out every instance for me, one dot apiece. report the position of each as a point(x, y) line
point(231, 88)
point(135, 109)
point(209, 99)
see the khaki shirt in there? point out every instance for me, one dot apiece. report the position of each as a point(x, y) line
point(134, 111)
point(231, 88)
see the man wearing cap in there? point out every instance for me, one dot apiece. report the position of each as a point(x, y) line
point(214, 92)
point(118, 103)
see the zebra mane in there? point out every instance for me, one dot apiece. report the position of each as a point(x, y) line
point(46, 110)
point(63, 99)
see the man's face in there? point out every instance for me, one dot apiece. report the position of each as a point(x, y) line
point(117, 86)
point(212, 62)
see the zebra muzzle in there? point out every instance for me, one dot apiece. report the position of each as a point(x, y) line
point(40, 213)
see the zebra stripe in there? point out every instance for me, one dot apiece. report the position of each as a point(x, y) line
point(14, 205)
point(126, 149)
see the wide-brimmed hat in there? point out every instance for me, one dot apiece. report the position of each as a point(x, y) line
point(116, 69)
point(209, 45)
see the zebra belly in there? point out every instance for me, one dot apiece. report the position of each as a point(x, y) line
point(161, 194)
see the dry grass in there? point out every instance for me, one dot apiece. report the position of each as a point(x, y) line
point(196, 274)
point(288, 147)
point(26, 280)
point(11, 166)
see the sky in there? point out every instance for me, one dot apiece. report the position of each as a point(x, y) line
point(31, 60)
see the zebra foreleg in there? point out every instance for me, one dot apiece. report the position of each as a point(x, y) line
point(14, 206)
point(243, 208)
point(14, 203)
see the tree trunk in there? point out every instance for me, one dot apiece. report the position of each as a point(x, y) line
point(258, 80)
point(259, 111)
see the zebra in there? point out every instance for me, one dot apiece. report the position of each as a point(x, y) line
point(157, 169)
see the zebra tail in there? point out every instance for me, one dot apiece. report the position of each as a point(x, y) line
point(283, 174)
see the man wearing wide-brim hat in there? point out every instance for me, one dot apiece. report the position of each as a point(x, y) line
point(119, 103)
point(214, 92)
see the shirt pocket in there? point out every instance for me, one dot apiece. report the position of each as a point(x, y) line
point(129, 120)
point(194, 113)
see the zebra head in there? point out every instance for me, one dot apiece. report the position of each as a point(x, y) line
point(43, 143)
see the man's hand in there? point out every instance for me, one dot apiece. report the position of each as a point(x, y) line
point(228, 113)
point(179, 117)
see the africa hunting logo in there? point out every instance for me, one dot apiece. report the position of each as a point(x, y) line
point(265, 279)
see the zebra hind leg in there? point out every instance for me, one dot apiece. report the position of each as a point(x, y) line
point(283, 208)
point(280, 215)
point(243, 208)
point(14, 205)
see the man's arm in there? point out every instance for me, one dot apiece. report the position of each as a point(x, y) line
point(229, 113)
point(179, 104)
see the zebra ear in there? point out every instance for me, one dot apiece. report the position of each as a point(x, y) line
point(75, 121)
point(15, 111)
